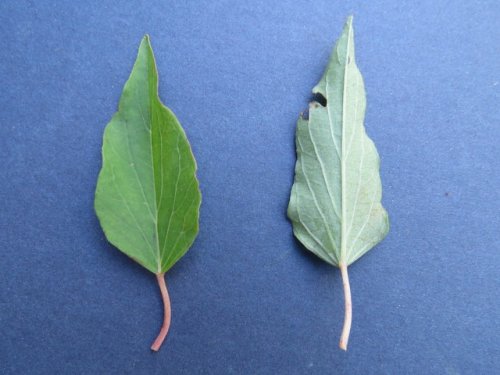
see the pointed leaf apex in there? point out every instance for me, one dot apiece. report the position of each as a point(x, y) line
point(348, 25)
point(146, 40)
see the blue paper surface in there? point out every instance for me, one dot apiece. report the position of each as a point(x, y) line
point(247, 298)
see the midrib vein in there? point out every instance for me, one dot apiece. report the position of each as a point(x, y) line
point(158, 255)
point(343, 245)
point(155, 221)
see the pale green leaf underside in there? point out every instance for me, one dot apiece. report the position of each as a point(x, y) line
point(335, 203)
point(147, 196)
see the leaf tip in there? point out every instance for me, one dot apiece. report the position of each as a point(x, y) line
point(146, 39)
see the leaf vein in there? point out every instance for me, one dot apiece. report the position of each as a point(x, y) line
point(313, 194)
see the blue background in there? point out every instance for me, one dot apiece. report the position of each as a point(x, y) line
point(247, 298)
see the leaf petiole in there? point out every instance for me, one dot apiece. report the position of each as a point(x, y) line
point(167, 314)
point(344, 337)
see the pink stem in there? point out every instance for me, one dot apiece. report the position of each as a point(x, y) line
point(344, 338)
point(167, 314)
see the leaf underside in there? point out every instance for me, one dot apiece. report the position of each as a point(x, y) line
point(335, 204)
point(147, 196)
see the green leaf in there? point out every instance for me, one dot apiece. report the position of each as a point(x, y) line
point(335, 203)
point(147, 196)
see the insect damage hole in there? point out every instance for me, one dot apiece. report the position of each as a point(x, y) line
point(318, 98)
point(316, 101)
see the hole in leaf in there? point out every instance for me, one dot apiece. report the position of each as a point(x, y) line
point(316, 101)
point(319, 98)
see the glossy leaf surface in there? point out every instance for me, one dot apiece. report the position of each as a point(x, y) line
point(147, 196)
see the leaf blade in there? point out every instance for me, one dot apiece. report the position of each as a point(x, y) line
point(337, 167)
point(147, 164)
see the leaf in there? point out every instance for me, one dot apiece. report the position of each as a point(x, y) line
point(147, 196)
point(335, 203)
